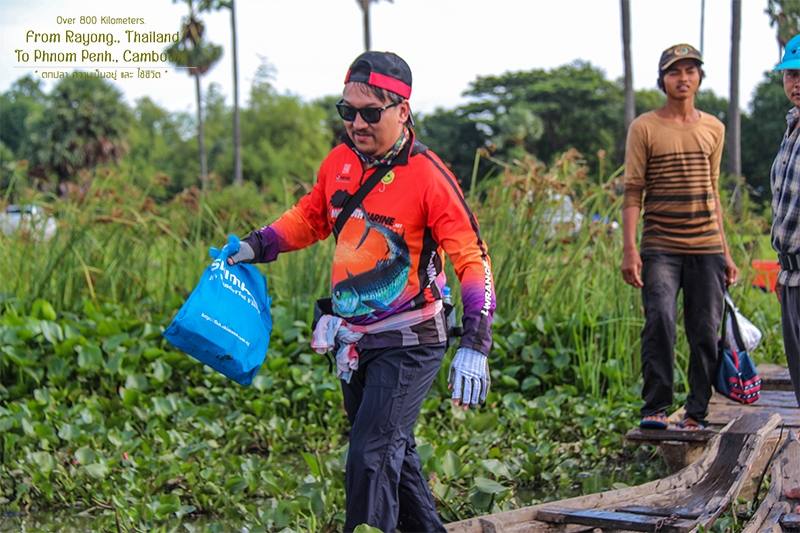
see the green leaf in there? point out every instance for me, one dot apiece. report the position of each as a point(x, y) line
point(16, 356)
point(97, 470)
point(161, 371)
point(497, 468)
point(508, 381)
point(561, 360)
point(488, 486)
point(130, 397)
point(51, 331)
point(261, 383)
point(364, 528)
point(539, 323)
point(531, 382)
point(68, 432)
point(313, 464)
point(115, 341)
point(482, 421)
point(164, 406)
point(114, 363)
point(42, 396)
point(166, 505)
point(43, 309)
point(85, 455)
point(235, 485)
point(137, 381)
point(516, 339)
point(90, 357)
point(451, 464)
point(425, 452)
point(185, 510)
point(58, 370)
point(43, 461)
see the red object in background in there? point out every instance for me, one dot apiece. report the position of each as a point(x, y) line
point(766, 274)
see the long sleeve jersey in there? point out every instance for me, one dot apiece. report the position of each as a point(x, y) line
point(389, 256)
point(676, 168)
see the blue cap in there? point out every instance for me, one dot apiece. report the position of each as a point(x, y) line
point(791, 55)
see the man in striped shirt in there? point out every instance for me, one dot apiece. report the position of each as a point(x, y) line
point(672, 159)
point(784, 178)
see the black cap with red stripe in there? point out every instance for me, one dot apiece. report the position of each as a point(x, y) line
point(382, 69)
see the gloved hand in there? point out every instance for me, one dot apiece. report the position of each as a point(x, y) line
point(469, 377)
point(238, 251)
point(245, 254)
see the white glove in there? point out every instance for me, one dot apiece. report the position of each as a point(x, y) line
point(469, 377)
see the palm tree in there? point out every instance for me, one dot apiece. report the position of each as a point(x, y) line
point(734, 122)
point(364, 5)
point(213, 5)
point(785, 16)
point(197, 56)
point(630, 104)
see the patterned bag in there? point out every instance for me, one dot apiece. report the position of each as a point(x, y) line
point(737, 377)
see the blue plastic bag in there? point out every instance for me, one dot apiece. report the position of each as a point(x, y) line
point(226, 322)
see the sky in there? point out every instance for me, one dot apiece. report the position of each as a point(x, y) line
point(447, 43)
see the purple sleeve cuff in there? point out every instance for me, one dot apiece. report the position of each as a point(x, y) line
point(264, 243)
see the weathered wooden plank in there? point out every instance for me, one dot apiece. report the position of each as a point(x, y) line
point(616, 520)
point(774, 377)
point(658, 511)
point(721, 414)
point(671, 434)
point(790, 521)
point(771, 398)
point(785, 475)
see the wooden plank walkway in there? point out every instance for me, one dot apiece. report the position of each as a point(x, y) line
point(724, 462)
point(680, 448)
point(682, 502)
point(777, 396)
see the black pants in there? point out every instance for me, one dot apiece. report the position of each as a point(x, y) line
point(702, 278)
point(790, 318)
point(384, 483)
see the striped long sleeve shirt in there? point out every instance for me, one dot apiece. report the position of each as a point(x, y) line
point(675, 167)
point(784, 178)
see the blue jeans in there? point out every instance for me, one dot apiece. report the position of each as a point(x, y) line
point(702, 278)
point(384, 483)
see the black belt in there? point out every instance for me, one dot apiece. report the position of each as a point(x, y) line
point(789, 261)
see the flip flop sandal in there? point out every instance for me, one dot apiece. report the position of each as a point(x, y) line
point(690, 424)
point(657, 421)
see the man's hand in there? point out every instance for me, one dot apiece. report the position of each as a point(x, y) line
point(237, 251)
point(245, 254)
point(731, 270)
point(632, 268)
point(469, 377)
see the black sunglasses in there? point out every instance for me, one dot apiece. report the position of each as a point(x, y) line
point(371, 115)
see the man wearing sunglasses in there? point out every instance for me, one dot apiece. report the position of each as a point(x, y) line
point(386, 318)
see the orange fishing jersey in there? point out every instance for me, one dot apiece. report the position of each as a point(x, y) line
point(389, 255)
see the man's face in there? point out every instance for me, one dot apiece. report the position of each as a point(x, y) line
point(791, 86)
point(373, 139)
point(682, 79)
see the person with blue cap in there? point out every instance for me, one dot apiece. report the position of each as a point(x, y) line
point(783, 179)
